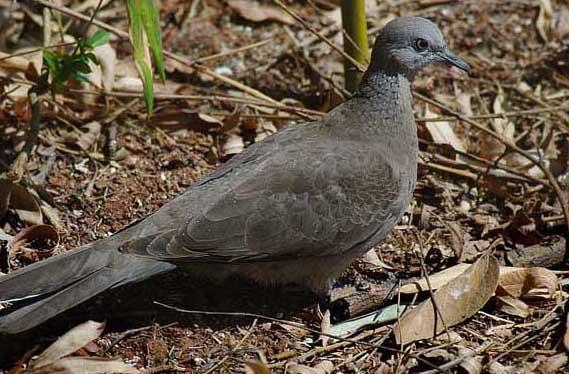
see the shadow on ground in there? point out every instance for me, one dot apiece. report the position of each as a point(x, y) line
point(133, 306)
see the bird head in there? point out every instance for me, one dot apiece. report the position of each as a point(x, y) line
point(408, 44)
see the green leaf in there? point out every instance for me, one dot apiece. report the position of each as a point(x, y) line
point(52, 62)
point(99, 38)
point(141, 53)
point(151, 24)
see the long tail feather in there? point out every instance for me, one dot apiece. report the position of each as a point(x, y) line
point(67, 280)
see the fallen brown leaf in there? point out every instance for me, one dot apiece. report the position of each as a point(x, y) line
point(41, 240)
point(512, 306)
point(324, 367)
point(443, 133)
point(456, 301)
point(53, 359)
point(257, 367)
point(525, 282)
point(23, 201)
point(436, 280)
point(87, 139)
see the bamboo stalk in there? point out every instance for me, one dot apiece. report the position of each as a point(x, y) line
point(355, 40)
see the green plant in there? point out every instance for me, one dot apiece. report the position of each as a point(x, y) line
point(62, 67)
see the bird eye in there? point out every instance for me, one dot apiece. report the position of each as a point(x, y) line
point(421, 44)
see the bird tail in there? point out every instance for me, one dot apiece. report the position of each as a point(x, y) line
point(66, 280)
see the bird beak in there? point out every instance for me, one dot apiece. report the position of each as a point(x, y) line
point(452, 59)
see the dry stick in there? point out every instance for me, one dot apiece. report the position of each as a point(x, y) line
point(320, 36)
point(34, 50)
point(518, 113)
point(242, 100)
point(514, 174)
point(284, 107)
point(232, 51)
point(447, 169)
point(512, 146)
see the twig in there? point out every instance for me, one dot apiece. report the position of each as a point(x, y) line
point(492, 168)
point(302, 112)
point(232, 52)
point(159, 369)
point(519, 113)
point(4, 56)
point(447, 169)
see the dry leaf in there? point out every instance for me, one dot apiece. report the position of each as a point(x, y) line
point(25, 204)
point(472, 364)
point(326, 327)
point(552, 364)
point(231, 121)
point(108, 60)
point(527, 282)
point(53, 358)
point(256, 12)
point(256, 367)
point(561, 23)
point(371, 257)
point(464, 103)
point(43, 240)
point(70, 342)
point(456, 301)
point(87, 139)
point(512, 306)
point(543, 21)
point(436, 280)
point(443, 133)
point(128, 84)
point(233, 145)
point(502, 126)
point(324, 367)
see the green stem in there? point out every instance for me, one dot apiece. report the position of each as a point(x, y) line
point(355, 40)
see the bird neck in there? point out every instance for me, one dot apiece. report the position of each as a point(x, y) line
point(383, 85)
point(388, 103)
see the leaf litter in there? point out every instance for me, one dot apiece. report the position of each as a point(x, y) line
point(474, 196)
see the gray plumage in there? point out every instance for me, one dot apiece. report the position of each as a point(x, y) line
point(298, 207)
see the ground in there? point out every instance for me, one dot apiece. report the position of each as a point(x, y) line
point(474, 194)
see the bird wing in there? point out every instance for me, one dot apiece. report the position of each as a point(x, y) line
point(291, 196)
